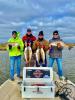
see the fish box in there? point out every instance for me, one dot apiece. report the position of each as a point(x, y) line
point(38, 83)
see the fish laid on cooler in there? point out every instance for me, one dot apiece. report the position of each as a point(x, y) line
point(40, 55)
point(28, 54)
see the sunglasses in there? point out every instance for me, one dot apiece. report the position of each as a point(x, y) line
point(28, 31)
point(55, 34)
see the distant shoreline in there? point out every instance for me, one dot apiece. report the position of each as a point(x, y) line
point(3, 46)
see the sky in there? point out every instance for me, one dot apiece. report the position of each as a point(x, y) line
point(46, 15)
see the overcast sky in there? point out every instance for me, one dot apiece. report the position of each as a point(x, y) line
point(46, 15)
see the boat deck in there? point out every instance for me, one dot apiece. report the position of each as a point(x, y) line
point(10, 90)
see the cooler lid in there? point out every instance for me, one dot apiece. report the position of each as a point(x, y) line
point(37, 73)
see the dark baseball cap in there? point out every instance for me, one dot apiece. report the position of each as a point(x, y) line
point(14, 32)
point(29, 30)
point(55, 32)
point(41, 33)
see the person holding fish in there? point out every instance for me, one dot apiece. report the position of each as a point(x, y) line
point(28, 40)
point(28, 37)
point(55, 52)
point(41, 46)
point(15, 47)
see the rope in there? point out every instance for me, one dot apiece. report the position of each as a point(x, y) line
point(65, 90)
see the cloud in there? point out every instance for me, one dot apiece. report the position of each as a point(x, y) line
point(47, 15)
point(65, 26)
point(17, 23)
point(1, 13)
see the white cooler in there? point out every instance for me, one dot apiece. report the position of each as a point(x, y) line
point(38, 82)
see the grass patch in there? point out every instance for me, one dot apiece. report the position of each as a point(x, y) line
point(3, 46)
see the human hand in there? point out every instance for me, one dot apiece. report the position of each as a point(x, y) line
point(10, 46)
point(38, 44)
point(50, 46)
point(42, 46)
point(18, 47)
point(59, 45)
point(29, 44)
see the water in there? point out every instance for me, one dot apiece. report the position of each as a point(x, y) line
point(68, 60)
point(5, 66)
point(68, 65)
